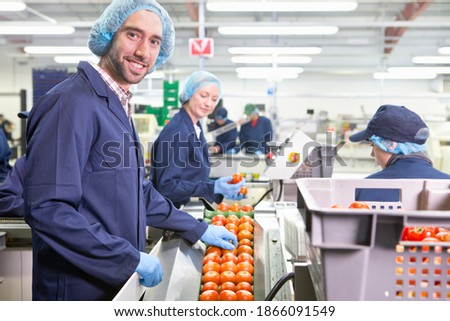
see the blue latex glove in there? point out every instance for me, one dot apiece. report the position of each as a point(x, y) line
point(219, 236)
point(150, 270)
point(258, 152)
point(230, 191)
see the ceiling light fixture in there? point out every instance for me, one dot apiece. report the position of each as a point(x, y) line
point(12, 6)
point(275, 50)
point(274, 73)
point(282, 6)
point(278, 30)
point(431, 60)
point(57, 50)
point(404, 76)
point(412, 70)
point(36, 30)
point(270, 60)
point(444, 50)
point(75, 59)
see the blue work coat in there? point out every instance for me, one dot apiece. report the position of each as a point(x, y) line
point(403, 168)
point(11, 191)
point(254, 139)
point(179, 162)
point(86, 199)
point(227, 140)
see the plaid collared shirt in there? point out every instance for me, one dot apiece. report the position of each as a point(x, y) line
point(124, 96)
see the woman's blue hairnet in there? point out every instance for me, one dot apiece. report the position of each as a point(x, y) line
point(197, 80)
point(114, 16)
point(401, 148)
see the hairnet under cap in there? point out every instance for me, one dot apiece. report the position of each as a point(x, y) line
point(197, 80)
point(114, 16)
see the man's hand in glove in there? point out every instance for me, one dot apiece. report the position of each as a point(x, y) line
point(219, 236)
point(150, 270)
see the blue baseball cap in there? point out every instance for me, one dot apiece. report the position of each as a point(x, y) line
point(222, 113)
point(396, 123)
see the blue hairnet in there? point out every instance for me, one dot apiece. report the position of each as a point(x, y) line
point(113, 17)
point(197, 80)
point(401, 148)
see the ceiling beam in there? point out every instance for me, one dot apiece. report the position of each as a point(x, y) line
point(410, 12)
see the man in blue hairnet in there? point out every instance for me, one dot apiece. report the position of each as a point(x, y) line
point(86, 199)
point(180, 165)
point(397, 136)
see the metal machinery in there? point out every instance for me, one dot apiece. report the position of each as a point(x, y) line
point(15, 260)
point(281, 243)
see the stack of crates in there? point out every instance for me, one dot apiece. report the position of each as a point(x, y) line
point(362, 255)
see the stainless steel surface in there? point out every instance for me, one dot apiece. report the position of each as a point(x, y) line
point(132, 290)
point(182, 265)
point(18, 233)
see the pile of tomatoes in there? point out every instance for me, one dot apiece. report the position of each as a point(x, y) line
point(227, 275)
point(235, 208)
point(425, 234)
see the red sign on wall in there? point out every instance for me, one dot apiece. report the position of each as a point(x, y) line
point(201, 47)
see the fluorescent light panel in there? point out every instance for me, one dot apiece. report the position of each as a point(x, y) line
point(75, 59)
point(404, 76)
point(444, 50)
point(274, 50)
point(270, 60)
point(284, 75)
point(57, 50)
point(412, 70)
point(269, 69)
point(282, 6)
point(12, 6)
point(431, 60)
point(36, 30)
point(278, 30)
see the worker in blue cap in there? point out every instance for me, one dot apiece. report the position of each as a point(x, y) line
point(397, 136)
point(180, 165)
point(86, 198)
point(5, 154)
point(226, 142)
point(255, 134)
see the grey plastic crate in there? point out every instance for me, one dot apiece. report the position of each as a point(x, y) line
point(362, 258)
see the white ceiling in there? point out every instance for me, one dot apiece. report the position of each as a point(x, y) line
point(358, 47)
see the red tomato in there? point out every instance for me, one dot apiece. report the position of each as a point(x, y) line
point(430, 239)
point(229, 257)
point(443, 236)
point(245, 242)
point(245, 218)
point(235, 207)
point(214, 249)
point(246, 226)
point(245, 266)
point(232, 218)
point(244, 286)
point(359, 205)
point(237, 178)
point(227, 295)
point(223, 207)
point(244, 234)
point(243, 191)
point(211, 266)
point(418, 233)
point(245, 257)
point(227, 276)
point(244, 276)
point(228, 266)
point(210, 286)
point(219, 218)
point(228, 286)
point(247, 208)
point(211, 257)
point(209, 295)
point(244, 249)
point(211, 276)
point(244, 295)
